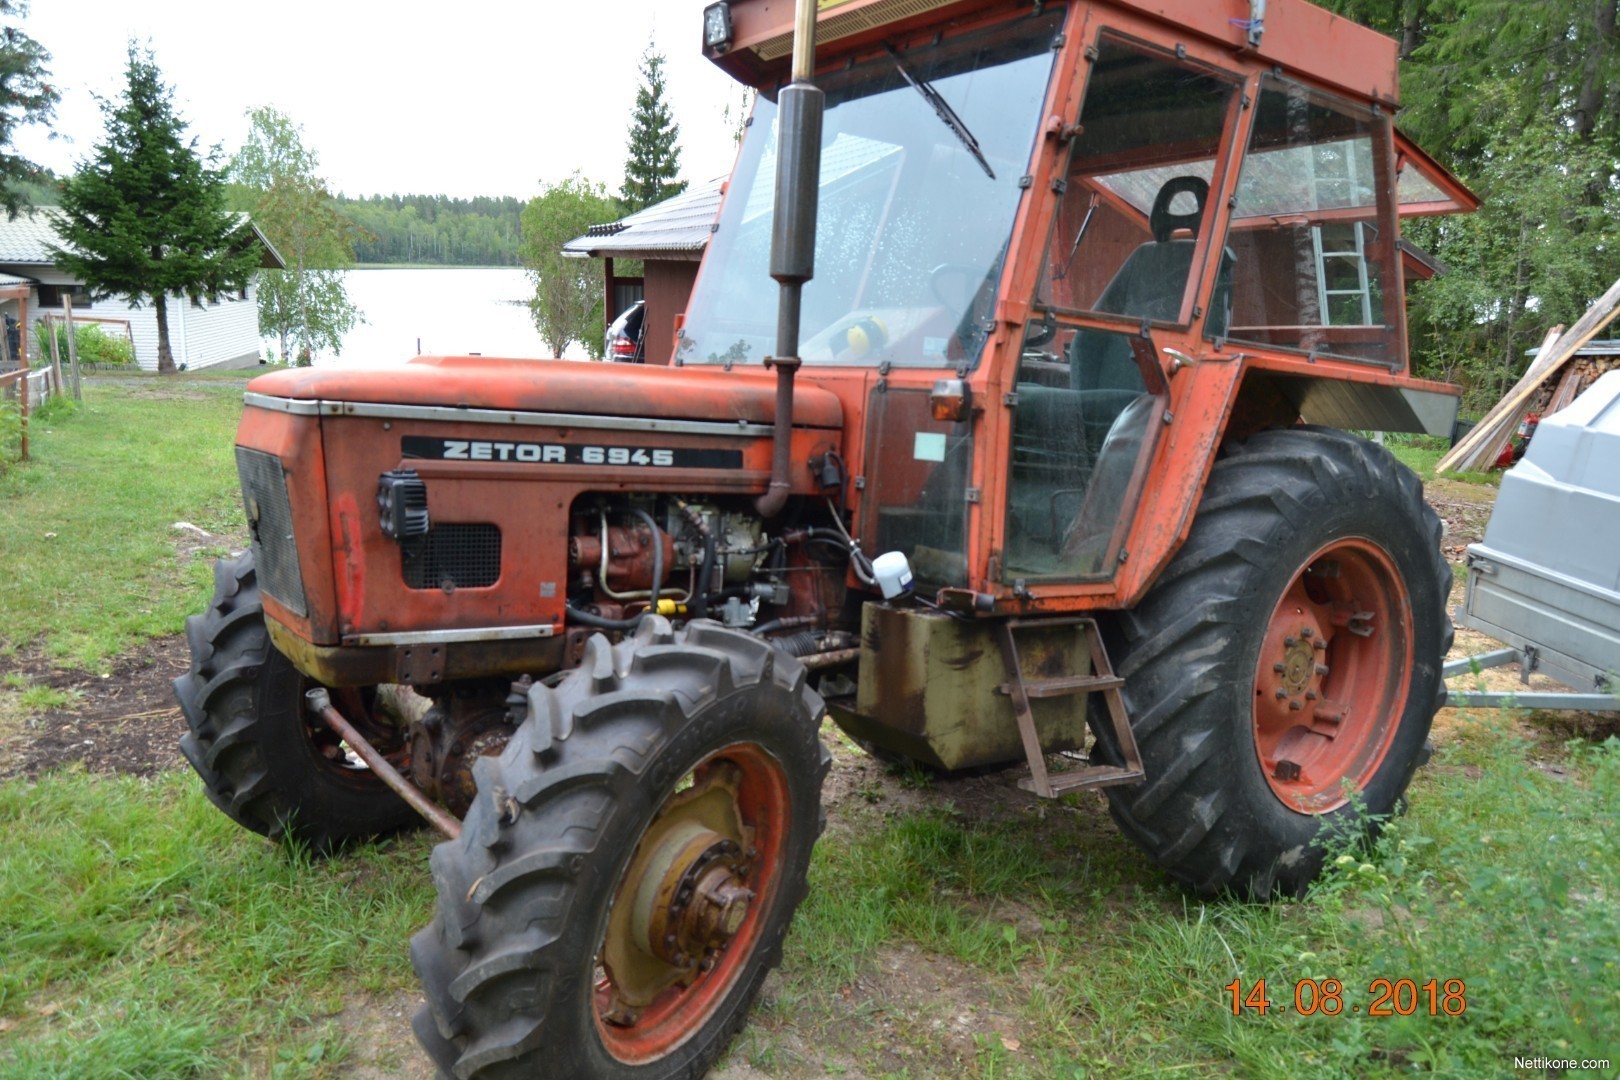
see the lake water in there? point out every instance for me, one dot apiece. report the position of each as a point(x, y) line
point(418, 311)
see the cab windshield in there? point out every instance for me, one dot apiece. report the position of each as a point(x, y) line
point(923, 156)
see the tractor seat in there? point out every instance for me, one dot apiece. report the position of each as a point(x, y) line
point(1150, 286)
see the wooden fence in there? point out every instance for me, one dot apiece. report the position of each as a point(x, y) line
point(33, 386)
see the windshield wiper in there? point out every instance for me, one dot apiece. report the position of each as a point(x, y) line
point(943, 110)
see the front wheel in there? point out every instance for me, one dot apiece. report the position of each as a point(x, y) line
point(262, 759)
point(1282, 674)
point(631, 863)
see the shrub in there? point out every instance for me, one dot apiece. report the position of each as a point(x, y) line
point(95, 346)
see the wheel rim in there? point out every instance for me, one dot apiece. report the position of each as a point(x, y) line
point(332, 754)
point(1331, 682)
point(689, 910)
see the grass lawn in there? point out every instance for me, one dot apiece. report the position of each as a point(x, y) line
point(955, 926)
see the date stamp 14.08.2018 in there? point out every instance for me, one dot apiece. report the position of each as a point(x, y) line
point(1329, 997)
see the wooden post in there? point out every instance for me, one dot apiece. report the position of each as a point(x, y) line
point(56, 354)
point(73, 345)
point(22, 366)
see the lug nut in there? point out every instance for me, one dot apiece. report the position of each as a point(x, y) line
point(1279, 667)
point(1322, 669)
point(1294, 706)
point(1281, 693)
point(1307, 632)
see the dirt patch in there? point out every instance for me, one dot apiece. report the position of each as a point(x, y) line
point(377, 1030)
point(1464, 511)
point(122, 721)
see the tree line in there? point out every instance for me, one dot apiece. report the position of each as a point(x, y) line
point(435, 229)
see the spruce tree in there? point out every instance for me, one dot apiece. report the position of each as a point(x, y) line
point(145, 217)
point(655, 157)
point(26, 97)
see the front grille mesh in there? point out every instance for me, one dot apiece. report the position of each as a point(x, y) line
point(269, 514)
point(453, 556)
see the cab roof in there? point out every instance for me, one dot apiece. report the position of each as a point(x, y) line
point(1308, 42)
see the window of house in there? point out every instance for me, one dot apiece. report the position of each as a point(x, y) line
point(50, 296)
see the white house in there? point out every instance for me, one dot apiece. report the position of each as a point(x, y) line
point(218, 332)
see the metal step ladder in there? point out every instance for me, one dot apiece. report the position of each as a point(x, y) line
point(1103, 679)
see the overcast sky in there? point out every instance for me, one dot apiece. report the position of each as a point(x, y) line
point(470, 98)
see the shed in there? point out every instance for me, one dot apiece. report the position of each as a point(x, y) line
point(669, 238)
point(218, 331)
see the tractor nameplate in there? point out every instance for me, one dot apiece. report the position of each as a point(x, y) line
point(533, 453)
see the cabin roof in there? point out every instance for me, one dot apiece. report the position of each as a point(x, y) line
point(677, 228)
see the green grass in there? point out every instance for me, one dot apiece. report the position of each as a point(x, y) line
point(1421, 453)
point(146, 935)
point(1501, 876)
point(86, 531)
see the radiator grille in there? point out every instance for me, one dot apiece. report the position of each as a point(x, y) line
point(275, 552)
point(457, 556)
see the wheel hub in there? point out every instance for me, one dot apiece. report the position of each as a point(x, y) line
point(692, 900)
point(1330, 678)
point(684, 898)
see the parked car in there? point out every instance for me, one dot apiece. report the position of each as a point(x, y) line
point(625, 344)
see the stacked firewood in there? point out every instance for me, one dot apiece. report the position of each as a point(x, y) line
point(1589, 368)
point(1553, 381)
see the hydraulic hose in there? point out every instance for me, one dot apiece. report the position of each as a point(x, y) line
point(658, 552)
point(601, 622)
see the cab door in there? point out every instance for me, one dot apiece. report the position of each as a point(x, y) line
point(1131, 268)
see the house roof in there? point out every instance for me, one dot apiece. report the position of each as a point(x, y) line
point(677, 228)
point(27, 239)
point(7, 280)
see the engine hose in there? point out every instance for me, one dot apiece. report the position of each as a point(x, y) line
point(700, 593)
point(658, 553)
point(783, 623)
point(601, 622)
point(803, 643)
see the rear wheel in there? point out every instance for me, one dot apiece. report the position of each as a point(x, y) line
point(630, 865)
point(262, 758)
point(1282, 674)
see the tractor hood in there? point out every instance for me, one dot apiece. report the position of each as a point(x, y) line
point(558, 386)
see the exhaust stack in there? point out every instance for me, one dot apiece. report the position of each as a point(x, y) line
point(793, 236)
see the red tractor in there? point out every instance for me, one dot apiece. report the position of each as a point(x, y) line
point(1037, 443)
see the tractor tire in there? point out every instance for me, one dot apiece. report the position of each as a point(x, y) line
point(664, 772)
point(260, 760)
point(1282, 673)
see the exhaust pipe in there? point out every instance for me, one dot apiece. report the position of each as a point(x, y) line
point(793, 237)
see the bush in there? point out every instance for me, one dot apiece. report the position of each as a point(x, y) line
point(95, 346)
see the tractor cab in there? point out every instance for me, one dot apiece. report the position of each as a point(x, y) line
point(1059, 242)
